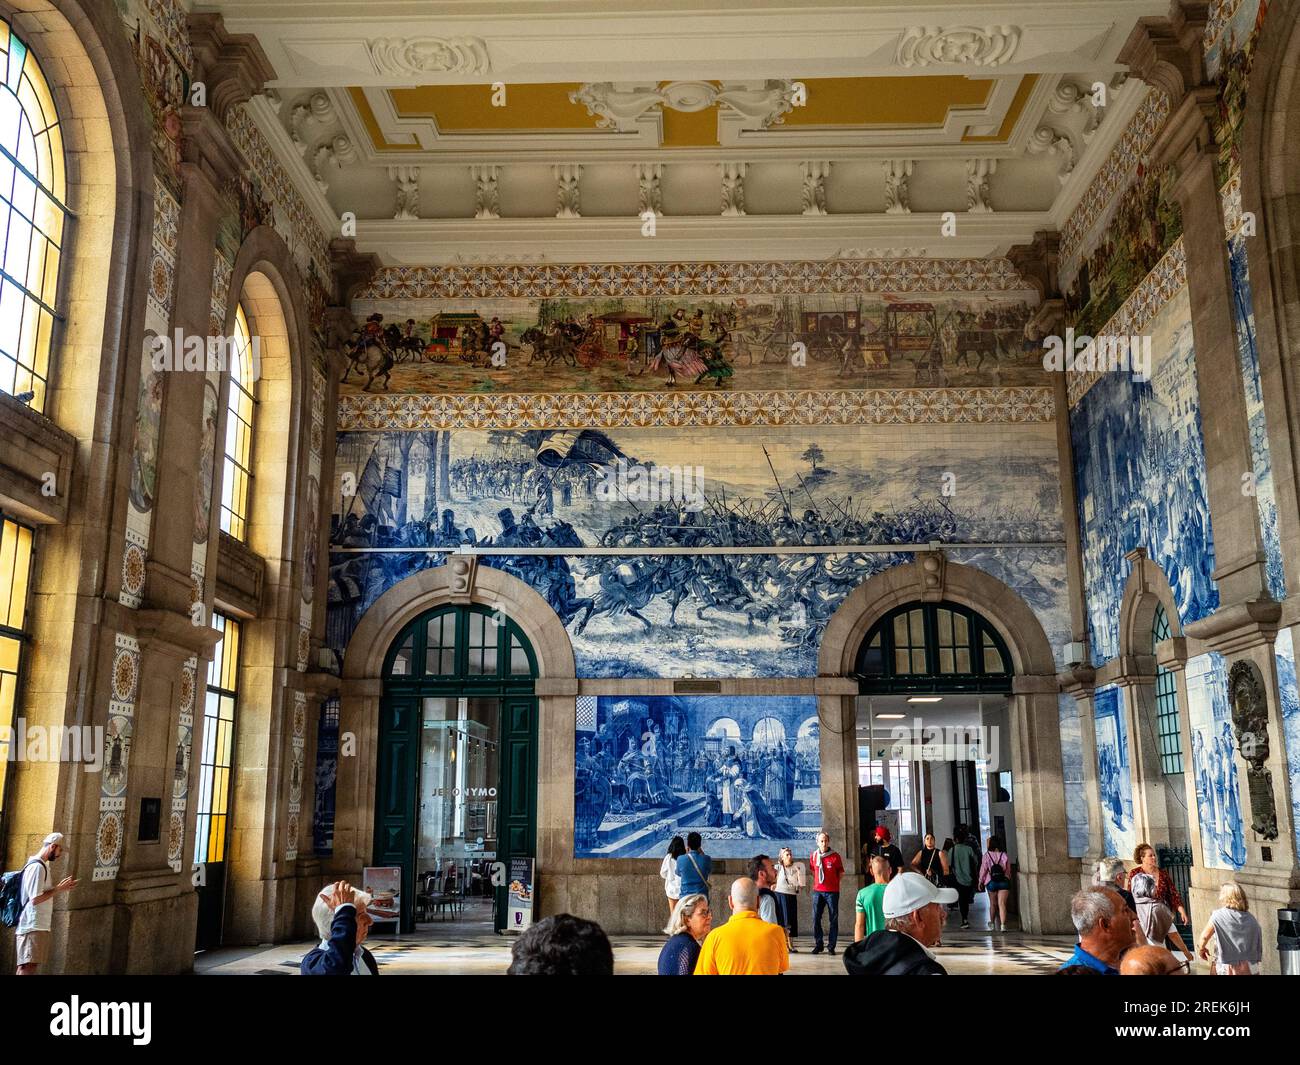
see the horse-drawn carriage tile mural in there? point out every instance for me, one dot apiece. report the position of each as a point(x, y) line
point(616, 344)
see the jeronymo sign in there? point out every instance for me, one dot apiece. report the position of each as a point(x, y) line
point(79, 1018)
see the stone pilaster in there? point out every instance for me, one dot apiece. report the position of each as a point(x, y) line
point(232, 66)
point(1080, 684)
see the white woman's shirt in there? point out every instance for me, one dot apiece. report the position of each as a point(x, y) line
point(672, 882)
point(789, 878)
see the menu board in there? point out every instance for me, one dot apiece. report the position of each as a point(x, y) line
point(383, 883)
point(519, 907)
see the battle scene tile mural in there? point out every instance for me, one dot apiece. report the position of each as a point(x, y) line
point(587, 509)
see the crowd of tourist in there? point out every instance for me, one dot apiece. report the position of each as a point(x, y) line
point(1125, 920)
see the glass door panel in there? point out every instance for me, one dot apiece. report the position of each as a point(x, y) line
point(458, 799)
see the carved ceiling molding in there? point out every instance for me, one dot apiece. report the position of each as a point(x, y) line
point(925, 46)
point(621, 108)
point(415, 56)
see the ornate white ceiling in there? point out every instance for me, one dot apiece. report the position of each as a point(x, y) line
point(739, 126)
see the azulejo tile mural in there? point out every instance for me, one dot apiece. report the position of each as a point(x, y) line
point(1284, 655)
point(1218, 797)
point(723, 338)
point(1114, 774)
point(1140, 476)
point(743, 772)
point(829, 502)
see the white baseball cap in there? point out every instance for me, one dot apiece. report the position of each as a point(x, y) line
point(53, 837)
point(908, 892)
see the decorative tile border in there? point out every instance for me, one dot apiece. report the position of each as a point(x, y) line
point(800, 277)
point(125, 685)
point(181, 772)
point(1151, 294)
point(298, 739)
point(623, 410)
point(276, 184)
point(1113, 175)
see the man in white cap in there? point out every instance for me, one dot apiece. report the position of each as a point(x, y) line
point(340, 916)
point(33, 931)
point(915, 911)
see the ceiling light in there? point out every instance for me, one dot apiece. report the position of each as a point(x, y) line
point(926, 699)
point(890, 717)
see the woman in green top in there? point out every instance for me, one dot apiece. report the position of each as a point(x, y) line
point(870, 904)
point(965, 869)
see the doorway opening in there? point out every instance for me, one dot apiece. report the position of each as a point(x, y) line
point(457, 776)
point(934, 681)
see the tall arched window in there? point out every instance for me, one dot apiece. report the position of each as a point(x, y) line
point(237, 475)
point(933, 647)
point(32, 217)
point(1167, 733)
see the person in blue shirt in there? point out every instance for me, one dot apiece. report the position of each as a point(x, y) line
point(1105, 927)
point(694, 867)
point(341, 919)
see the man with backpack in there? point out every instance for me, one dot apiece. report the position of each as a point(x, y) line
point(29, 904)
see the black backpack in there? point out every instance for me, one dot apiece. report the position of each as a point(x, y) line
point(12, 902)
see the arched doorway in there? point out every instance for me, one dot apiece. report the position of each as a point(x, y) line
point(1047, 875)
point(456, 780)
point(933, 680)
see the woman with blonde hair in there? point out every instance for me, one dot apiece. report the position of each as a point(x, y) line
point(1237, 932)
point(689, 924)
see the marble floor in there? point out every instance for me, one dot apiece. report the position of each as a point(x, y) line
point(469, 947)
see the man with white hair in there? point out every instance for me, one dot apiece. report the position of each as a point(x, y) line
point(33, 930)
point(1105, 926)
point(343, 923)
point(915, 911)
point(745, 945)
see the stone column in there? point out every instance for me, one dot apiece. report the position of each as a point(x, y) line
point(354, 803)
point(837, 719)
point(1169, 54)
point(1046, 876)
point(1080, 684)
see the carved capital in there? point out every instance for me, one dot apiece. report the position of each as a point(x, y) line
point(232, 66)
point(1187, 139)
point(1168, 51)
point(207, 152)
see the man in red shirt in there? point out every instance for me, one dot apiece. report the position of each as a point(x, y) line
point(827, 867)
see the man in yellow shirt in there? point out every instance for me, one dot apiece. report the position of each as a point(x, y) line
point(745, 945)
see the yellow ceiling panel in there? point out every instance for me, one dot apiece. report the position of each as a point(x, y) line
point(843, 103)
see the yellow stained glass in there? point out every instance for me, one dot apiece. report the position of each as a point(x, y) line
point(21, 567)
point(8, 662)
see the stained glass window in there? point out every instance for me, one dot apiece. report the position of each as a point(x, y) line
point(32, 220)
point(15, 571)
point(237, 474)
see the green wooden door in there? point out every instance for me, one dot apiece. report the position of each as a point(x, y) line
point(455, 653)
point(518, 816)
point(395, 807)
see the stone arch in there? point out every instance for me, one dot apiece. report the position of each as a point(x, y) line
point(1048, 876)
point(1270, 187)
point(1161, 806)
point(1146, 589)
point(460, 580)
point(265, 280)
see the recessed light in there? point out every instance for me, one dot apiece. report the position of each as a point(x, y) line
point(890, 717)
point(926, 699)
